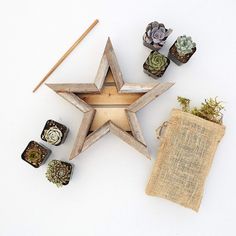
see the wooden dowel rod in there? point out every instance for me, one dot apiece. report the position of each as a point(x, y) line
point(66, 54)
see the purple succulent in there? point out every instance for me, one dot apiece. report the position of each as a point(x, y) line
point(156, 35)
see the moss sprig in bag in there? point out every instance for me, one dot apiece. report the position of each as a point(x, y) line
point(188, 143)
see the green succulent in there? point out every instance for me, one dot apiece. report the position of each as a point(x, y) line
point(58, 172)
point(210, 110)
point(156, 63)
point(184, 45)
point(35, 156)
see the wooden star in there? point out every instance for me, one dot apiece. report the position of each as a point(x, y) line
point(109, 105)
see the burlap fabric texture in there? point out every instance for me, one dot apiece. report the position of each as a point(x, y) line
point(188, 144)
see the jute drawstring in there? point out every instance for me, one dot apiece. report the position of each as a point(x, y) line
point(160, 129)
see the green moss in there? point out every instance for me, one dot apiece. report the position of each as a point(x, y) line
point(210, 110)
point(185, 103)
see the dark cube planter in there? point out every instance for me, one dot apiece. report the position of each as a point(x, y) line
point(54, 133)
point(179, 59)
point(150, 46)
point(59, 172)
point(158, 61)
point(35, 154)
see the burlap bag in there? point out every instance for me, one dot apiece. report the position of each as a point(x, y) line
point(188, 144)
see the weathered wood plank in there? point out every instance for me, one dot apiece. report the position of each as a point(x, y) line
point(113, 110)
point(135, 127)
point(96, 135)
point(83, 131)
point(109, 95)
point(102, 72)
point(109, 80)
point(138, 87)
point(76, 101)
point(113, 63)
point(74, 88)
point(129, 139)
point(149, 96)
point(115, 114)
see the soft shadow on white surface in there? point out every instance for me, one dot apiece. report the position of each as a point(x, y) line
point(106, 194)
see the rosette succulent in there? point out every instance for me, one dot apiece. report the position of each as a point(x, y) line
point(156, 35)
point(53, 135)
point(54, 132)
point(59, 172)
point(156, 64)
point(35, 154)
point(184, 45)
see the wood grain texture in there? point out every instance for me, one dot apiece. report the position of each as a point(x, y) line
point(76, 101)
point(109, 95)
point(109, 105)
point(135, 126)
point(113, 63)
point(102, 72)
point(83, 131)
point(96, 135)
point(149, 96)
point(109, 80)
point(129, 139)
point(138, 87)
point(74, 88)
point(114, 114)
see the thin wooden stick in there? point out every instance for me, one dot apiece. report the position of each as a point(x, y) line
point(66, 54)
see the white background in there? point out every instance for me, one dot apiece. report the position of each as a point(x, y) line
point(106, 194)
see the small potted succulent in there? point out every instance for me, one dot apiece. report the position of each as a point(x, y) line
point(54, 133)
point(35, 154)
point(182, 50)
point(59, 172)
point(155, 35)
point(156, 64)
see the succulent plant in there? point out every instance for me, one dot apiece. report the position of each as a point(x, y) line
point(184, 45)
point(35, 154)
point(156, 63)
point(53, 135)
point(59, 172)
point(156, 34)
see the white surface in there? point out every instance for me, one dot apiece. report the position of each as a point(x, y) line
point(106, 194)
